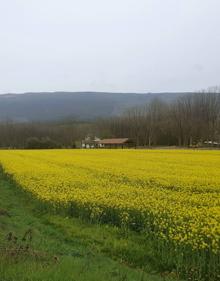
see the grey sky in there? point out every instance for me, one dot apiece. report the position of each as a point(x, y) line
point(109, 45)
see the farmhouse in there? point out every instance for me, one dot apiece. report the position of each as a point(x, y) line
point(90, 142)
point(115, 143)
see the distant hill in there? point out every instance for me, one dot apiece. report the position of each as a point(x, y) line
point(46, 106)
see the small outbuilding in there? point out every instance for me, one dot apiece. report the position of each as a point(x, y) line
point(116, 143)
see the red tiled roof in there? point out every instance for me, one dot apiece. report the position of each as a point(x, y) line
point(113, 141)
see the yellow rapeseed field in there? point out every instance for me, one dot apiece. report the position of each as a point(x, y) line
point(174, 194)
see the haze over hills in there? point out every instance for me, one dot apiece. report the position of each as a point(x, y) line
point(51, 106)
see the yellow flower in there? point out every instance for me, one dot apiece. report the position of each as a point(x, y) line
point(172, 194)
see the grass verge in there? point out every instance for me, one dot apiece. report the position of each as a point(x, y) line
point(36, 245)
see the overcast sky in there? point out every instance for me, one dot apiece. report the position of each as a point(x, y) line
point(109, 45)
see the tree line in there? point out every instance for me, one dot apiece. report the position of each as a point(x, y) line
point(42, 135)
point(190, 120)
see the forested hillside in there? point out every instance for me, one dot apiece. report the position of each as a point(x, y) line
point(71, 105)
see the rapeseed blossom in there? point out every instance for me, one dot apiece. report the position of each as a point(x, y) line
point(172, 194)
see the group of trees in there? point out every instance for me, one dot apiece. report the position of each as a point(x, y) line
point(42, 135)
point(190, 120)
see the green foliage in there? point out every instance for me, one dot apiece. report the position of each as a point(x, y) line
point(41, 143)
